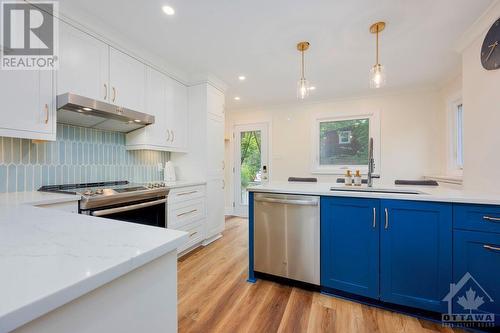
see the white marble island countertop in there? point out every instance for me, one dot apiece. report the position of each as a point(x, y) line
point(441, 193)
point(49, 257)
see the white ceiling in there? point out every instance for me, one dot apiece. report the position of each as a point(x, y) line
point(257, 38)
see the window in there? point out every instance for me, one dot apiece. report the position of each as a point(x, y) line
point(455, 136)
point(342, 143)
point(459, 136)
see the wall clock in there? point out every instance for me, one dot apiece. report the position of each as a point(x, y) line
point(490, 52)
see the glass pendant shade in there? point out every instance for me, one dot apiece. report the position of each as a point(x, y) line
point(302, 88)
point(377, 76)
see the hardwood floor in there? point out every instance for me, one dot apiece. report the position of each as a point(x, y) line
point(215, 297)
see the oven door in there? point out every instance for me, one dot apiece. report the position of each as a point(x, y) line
point(147, 212)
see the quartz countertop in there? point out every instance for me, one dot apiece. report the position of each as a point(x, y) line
point(50, 257)
point(442, 193)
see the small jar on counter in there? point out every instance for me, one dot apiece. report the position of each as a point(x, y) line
point(348, 178)
point(357, 178)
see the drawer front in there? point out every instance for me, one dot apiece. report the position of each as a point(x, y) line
point(477, 217)
point(185, 194)
point(184, 213)
point(195, 231)
point(477, 253)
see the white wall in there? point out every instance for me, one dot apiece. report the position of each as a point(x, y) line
point(481, 97)
point(412, 134)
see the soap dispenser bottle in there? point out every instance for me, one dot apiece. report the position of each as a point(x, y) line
point(348, 178)
point(357, 178)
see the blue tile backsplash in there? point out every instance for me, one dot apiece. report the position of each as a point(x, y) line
point(79, 155)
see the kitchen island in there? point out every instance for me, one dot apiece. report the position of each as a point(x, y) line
point(64, 272)
point(398, 247)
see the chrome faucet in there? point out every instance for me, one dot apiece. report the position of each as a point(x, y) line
point(371, 165)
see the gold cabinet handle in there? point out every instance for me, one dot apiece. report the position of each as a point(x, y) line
point(46, 108)
point(374, 217)
point(105, 91)
point(186, 213)
point(386, 219)
point(114, 94)
point(491, 219)
point(489, 247)
point(193, 233)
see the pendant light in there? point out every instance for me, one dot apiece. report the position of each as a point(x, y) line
point(377, 73)
point(303, 84)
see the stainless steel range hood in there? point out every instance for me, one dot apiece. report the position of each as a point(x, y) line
point(82, 111)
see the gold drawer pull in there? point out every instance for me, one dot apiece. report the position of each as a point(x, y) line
point(185, 213)
point(193, 233)
point(491, 219)
point(186, 193)
point(489, 247)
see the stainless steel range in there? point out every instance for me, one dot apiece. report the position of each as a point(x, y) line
point(120, 200)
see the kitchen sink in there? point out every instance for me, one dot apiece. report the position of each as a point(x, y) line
point(375, 190)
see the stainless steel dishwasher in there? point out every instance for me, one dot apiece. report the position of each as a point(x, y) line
point(286, 236)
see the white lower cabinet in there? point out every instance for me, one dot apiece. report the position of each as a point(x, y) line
point(187, 212)
point(215, 208)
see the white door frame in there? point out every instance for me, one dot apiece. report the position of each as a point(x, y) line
point(238, 208)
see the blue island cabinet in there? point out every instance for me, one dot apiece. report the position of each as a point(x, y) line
point(415, 253)
point(350, 245)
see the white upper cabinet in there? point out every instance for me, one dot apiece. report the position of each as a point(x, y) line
point(127, 81)
point(179, 117)
point(167, 101)
point(83, 64)
point(215, 102)
point(28, 104)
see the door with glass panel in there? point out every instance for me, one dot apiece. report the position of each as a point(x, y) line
point(250, 162)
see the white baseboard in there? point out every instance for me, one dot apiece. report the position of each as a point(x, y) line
point(211, 239)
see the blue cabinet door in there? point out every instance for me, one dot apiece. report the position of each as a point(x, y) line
point(350, 245)
point(416, 253)
point(477, 253)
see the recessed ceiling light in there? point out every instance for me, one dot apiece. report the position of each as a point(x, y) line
point(87, 109)
point(242, 77)
point(137, 120)
point(312, 88)
point(168, 10)
point(237, 98)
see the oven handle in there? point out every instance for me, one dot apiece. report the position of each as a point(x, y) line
point(105, 212)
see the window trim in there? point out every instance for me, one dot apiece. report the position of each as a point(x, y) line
point(454, 167)
point(374, 131)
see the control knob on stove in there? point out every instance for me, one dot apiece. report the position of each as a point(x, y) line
point(88, 192)
point(99, 191)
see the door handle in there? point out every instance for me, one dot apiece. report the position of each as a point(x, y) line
point(386, 219)
point(374, 217)
point(288, 201)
